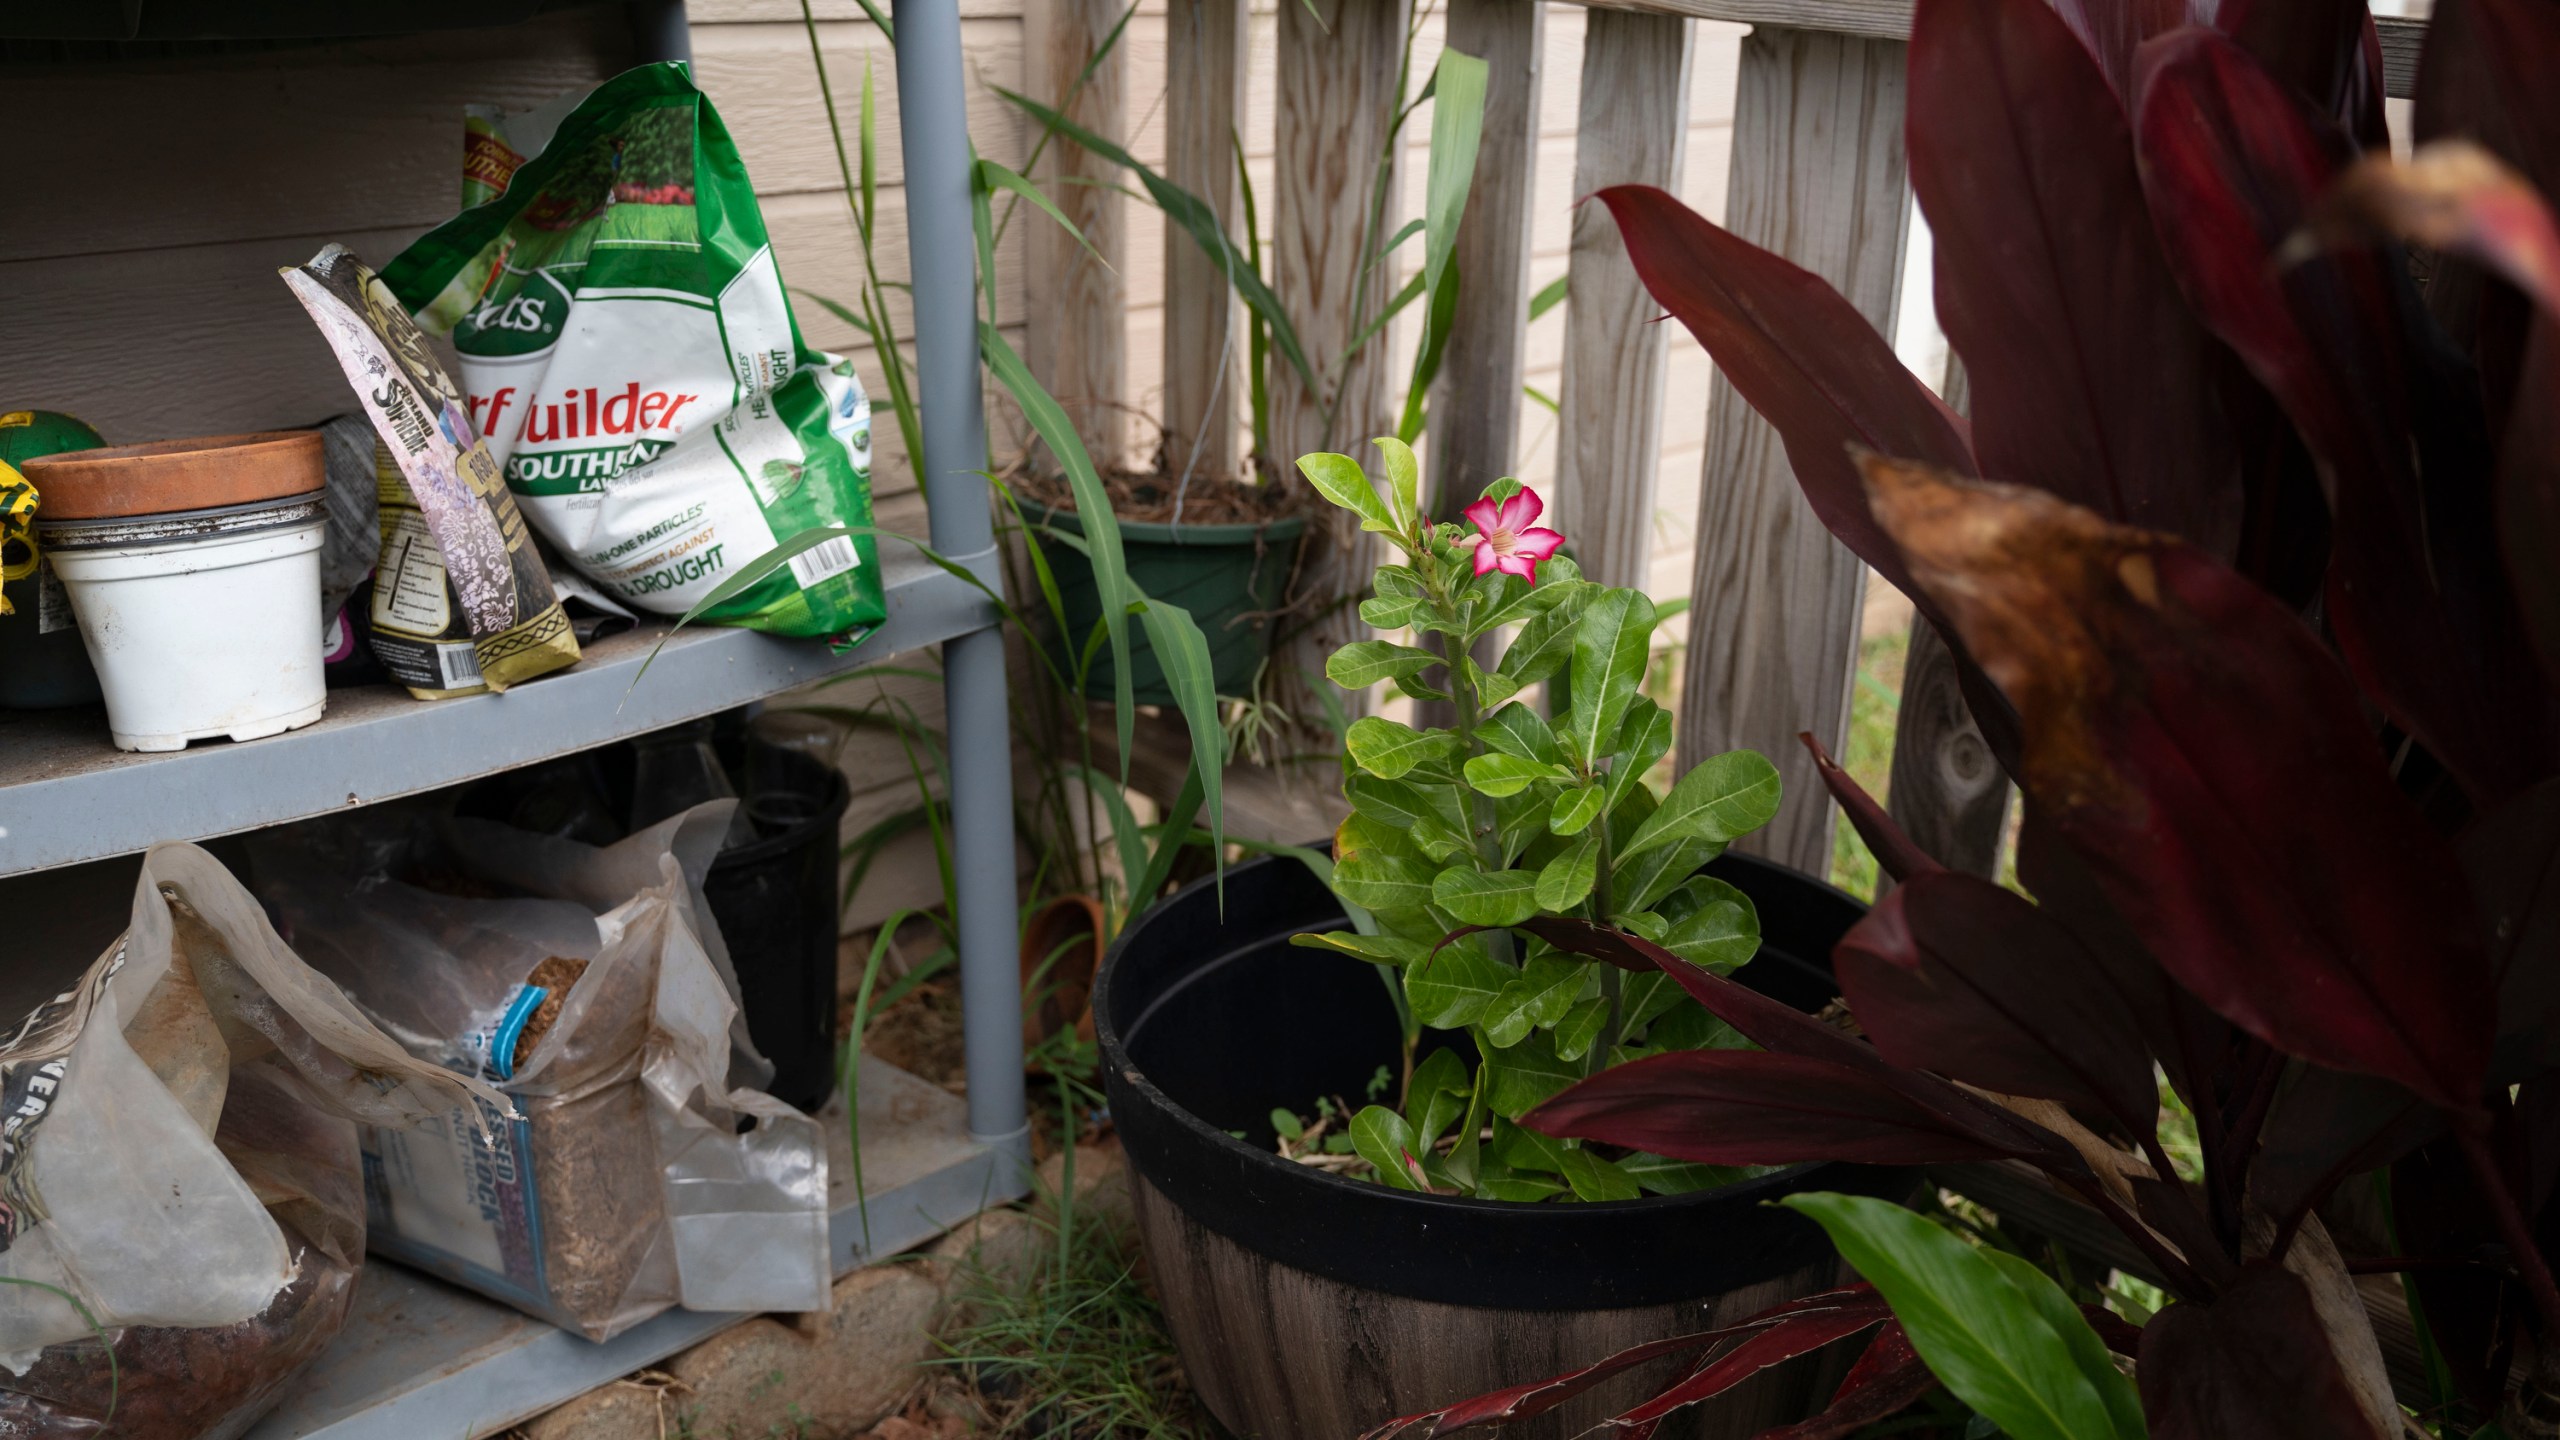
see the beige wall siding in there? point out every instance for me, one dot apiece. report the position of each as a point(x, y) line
point(138, 261)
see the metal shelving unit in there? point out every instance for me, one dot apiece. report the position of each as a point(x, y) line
point(422, 1358)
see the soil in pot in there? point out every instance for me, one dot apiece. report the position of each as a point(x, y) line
point(1222, 550)
point(1308, 1306)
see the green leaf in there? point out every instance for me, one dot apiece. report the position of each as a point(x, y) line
point(1528, 1075)
point(1377, 949)
point(1380, 875)
point(1390, 750)
point(1575, 810)
point(1289, 1126)
point(1426, 812)
point(1504, 775)
point(1404, 483)
point(2124, 1402)
point(1520, 1189)
point(1611, 647)
point(1688, 1025)
point(1449, 990)
point(1364, 663)
point(1984, 1337)
point(1545, 643)
point(1593, 1178)
point(1520, 821)
point(992, 175)
point(1417, 688)
point(1518, 731)
point(1505, 897)
point(1567, 879)
point(1580, 1028)
point(1093, 510)
point(1724, 797)
point(1718, 928)
point(1493, 689)
point(1528, 1150)
point(1196, 218)
point(1510, 600)
point(1548, 298)
point(1386, 1142)
point(1642, 997)
point(1182, 652)
point(1541, 995)
point(1340, 479)
point(1644, 739)
point(1438, 1096)
point(1381, 613)
point(1457, 128)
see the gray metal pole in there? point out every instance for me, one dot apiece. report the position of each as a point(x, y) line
point(659, 31)
point(942, 258)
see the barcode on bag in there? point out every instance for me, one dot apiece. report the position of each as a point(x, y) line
point(461, 665)
point(824, 561)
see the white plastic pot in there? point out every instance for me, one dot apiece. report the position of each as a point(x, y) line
point(201, 623)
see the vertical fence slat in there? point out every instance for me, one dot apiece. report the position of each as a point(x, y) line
point(1947, 793)
point(1817, 177)
point(1633, 129)
point(1475, 418)
point(1205, 62)
point(1336, 84)
point(1079, 305)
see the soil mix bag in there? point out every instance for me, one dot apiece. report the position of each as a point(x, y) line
point(461, 599)
point(589, 987)
point(178, 1155)
point(631, 355)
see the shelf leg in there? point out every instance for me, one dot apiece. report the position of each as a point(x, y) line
point(942, 257)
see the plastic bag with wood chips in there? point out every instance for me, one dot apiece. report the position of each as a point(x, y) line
point(181, 1198)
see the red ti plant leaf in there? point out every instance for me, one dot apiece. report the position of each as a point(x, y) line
point(1889, 1378)
point(2113, 30)
point(2326, 50)
point(1951, 973)
point(2253, 1363)
point(1876, 1103)
point(2486, 76)
point(1801, 355)
point(2232, 162)
point(2512, 855)
point(1794, 1336)
point(1750, 1107)
point(1522, 1402)
point(2203, 754)
point(2091, 378)
point(1894, 850)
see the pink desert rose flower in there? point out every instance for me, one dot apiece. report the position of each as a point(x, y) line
point(1507, 538)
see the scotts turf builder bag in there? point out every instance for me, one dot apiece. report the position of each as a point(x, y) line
point(631, 356)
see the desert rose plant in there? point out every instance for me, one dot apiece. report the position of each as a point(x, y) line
point(1511, 817)
point(2251, 557)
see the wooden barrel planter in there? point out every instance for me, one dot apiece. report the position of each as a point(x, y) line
point(1309, 1306)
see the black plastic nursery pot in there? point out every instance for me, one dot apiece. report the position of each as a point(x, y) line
point(1230, 577)
point(1309, 1306)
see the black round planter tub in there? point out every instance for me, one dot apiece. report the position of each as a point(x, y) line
point(1307, 1306)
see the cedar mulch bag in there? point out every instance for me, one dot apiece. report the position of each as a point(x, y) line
point(178, 1155)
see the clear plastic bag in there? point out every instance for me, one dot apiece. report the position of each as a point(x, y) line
point(178, 1156)
point(645, 1170)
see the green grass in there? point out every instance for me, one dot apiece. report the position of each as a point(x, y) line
point(1874, 703)
point(1080, 1352)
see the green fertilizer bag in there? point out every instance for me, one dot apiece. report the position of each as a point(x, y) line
point(630, 356)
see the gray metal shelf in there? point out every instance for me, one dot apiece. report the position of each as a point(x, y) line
point(67, 795)
point(421, 1358)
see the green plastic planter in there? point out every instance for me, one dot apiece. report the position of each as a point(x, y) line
point(1229, 577)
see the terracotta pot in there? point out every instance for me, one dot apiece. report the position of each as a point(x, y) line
point(206, 473)
point(1060, 998)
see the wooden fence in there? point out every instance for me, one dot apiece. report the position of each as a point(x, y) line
point(1817, 175)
